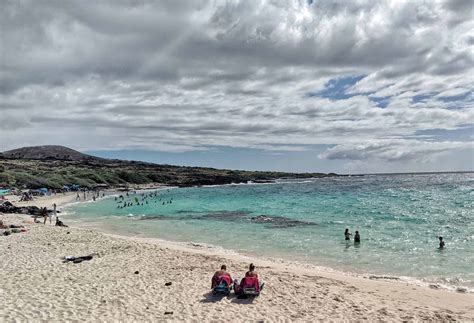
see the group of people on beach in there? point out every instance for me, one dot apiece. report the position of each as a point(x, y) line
point(12, 228)
point(95, 194)
point(26, 196)
point(45, 214)
point(250, 281)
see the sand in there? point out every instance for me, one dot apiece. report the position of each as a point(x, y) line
point(37, 285)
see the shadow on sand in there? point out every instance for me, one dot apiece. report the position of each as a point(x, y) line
point(243, 299)
point(214, 298)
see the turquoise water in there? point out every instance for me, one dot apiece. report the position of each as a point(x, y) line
point(399, 218)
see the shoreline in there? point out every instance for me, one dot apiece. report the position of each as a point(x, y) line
point(193, 246)
point(68, 200)
point(281, 263)
point(296, 266)
point(293, 291)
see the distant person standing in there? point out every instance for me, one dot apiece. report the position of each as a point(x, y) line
point(357, 237)
point(441, 243)
point(55, 214)
point(347, 234)
point(44, 214)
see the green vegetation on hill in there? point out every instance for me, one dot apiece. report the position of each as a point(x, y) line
point(51, 173)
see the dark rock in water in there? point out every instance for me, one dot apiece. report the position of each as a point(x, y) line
point(224, 215)
point(271, 221)
point(168, 284)
point(168, 312)
point(154, 217)
point(221, 215)
point(137, 272)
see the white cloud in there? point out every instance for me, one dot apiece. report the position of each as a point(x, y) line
point(185, 76)
point(394, 150)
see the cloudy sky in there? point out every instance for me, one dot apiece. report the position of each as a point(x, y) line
point(344, 86)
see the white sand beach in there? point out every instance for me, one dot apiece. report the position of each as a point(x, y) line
point(125, 281)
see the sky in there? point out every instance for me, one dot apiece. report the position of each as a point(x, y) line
point(305, 86)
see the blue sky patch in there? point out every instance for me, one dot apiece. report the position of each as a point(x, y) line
point(462, 97)
point(422, 97)
point(465, 133)
point(233, 158)
point(381, 102)
point(336, 88)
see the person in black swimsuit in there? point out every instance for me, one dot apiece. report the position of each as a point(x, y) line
point(347, 235)
point(357, 237)
point(441, 243)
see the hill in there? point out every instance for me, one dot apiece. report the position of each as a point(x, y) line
point(47, 152)
point(55, 166)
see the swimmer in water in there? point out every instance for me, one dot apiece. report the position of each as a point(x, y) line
point(347, 235)
point(441, 243)
point(357, 237)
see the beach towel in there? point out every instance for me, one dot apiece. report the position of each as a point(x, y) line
point(249, 286)
point(218, 280)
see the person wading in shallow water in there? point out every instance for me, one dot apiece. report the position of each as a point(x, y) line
point(357, 237)
point(347, 234)
point(441, 243)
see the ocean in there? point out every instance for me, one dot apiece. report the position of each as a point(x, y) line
point(399, 217)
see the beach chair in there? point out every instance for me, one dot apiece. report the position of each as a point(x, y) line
point(223, 286)
point(249, 286)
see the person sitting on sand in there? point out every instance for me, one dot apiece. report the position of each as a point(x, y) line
point(347, 234)
point(441, 243)
point(251, 272)
point(220, 276)
point(250, 280)
point(357, 237)
point(60, 223)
